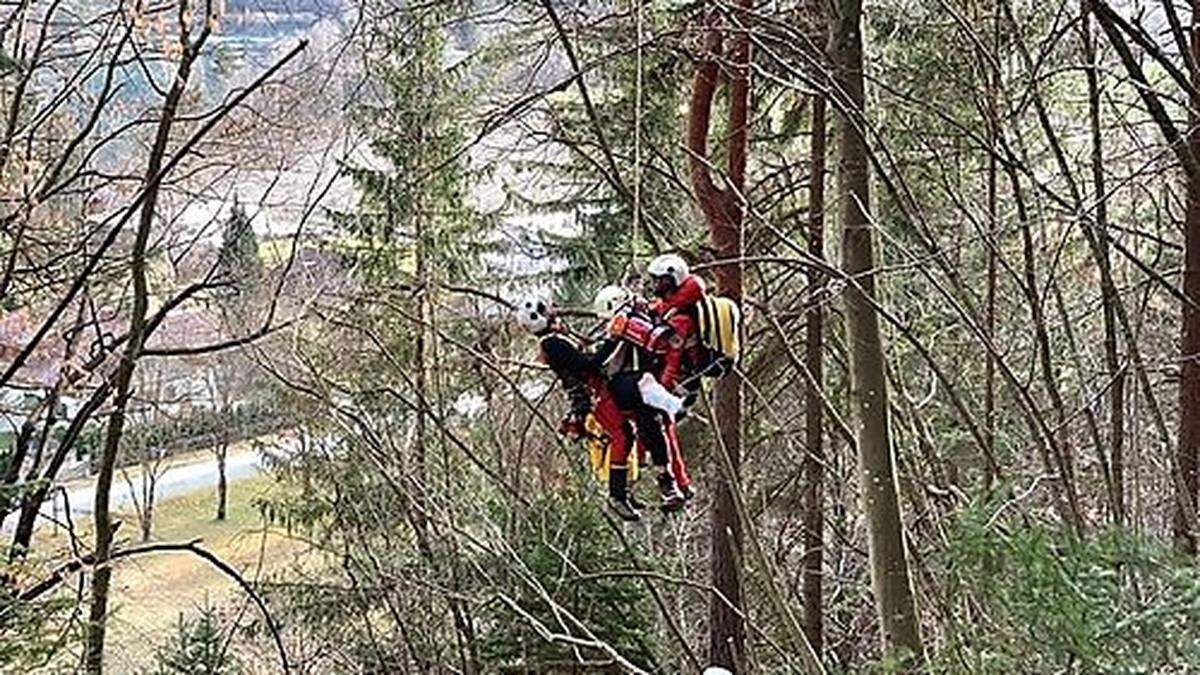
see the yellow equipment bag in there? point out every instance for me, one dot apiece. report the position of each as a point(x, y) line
point(598, 452)
point(720, 328)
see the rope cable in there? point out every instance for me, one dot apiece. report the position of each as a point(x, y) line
point(637, 141)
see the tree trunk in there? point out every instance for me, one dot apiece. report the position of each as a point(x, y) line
point(889, 566)
point(102, 573)
point(723, 210)
point(31, 502)
point(222, 482)
point(992, 77)
point(814, 459)
point(1184, 455)
point(1108, 289)
point(104, 529)
point(1188, 454)
point(148, 486)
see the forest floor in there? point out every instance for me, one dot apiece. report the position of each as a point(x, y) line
point(151, 592)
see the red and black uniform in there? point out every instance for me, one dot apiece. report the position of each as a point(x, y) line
point(633, 347)
point(680, 365)
point(581, 380)
point(684, 297)
point(678, 310)
point(588, 392)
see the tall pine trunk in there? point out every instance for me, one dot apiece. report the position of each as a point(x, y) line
point(1189, 377)
point(814, 458)
point(723, 210)
point(889, 565)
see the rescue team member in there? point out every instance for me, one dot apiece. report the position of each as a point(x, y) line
point(582, 382)
point(677, 292)
point(631, 351)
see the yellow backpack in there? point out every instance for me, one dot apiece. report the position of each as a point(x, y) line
point(720, 329)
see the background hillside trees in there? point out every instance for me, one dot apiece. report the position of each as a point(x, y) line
point(960, 438)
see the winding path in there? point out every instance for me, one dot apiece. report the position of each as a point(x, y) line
point(174, 481)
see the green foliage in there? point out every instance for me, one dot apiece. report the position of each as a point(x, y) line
point(564, 540)
point(199, 647)
point(1046, 601)
point(237, 260)
point(8, 446)
point(242, 272)
point(600, 246)
point(9, 65)
point(414, 196)
point(31, 633)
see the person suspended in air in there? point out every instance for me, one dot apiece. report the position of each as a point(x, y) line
point(593, 414)
point(677, 295)
point(632, 351)
point(710, 324)
point(676, 292)
point(709, 328)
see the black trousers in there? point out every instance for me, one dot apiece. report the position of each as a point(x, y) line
point(627, 396)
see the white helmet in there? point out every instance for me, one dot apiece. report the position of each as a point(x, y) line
point(669, 265)
point(610, 299)
point(533, 313)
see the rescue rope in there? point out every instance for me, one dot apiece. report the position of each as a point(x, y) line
point(637, 141)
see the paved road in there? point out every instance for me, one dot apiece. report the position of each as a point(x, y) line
point(175, 481)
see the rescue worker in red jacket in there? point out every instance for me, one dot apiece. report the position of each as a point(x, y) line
point(587, 392)
point(632, 351)
point(677, 292)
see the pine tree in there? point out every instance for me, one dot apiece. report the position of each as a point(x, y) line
point(237, 261)
point(197, 648)
point(599, 131)
point(890, 578)
point(413, 193)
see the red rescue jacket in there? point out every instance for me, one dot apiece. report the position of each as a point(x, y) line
point(690, 291)
point(677, 310)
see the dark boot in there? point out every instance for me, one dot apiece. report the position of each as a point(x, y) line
point(618, 497)
point(671, 499)
point(622, 510)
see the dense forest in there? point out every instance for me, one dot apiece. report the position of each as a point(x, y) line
point(568, 336)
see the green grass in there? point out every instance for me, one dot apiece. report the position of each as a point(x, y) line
point(153, 591)
point(149, 592)
point(194, 514)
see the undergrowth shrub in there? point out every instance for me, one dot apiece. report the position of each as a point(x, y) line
point(1030, 597)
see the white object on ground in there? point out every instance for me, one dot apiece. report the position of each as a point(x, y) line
point(656, 396)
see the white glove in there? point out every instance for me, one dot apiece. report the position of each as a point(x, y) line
point(656, 396)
